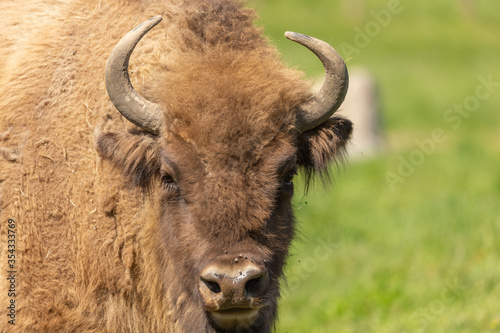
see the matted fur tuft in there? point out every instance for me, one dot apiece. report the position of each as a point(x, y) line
point(323, 146)
point(135, 153)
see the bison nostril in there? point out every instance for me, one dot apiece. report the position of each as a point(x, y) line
point(253, 286)
point(212, 286)
point(256, 286)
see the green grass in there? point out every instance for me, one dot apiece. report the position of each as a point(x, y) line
point(422, 254)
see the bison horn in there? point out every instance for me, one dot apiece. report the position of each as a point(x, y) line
point(331, 95)
point(131, 105)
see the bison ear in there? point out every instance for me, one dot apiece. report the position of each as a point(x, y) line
point(136, 153)
point(323, 145)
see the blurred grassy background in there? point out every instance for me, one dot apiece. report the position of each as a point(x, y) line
point(421, 254)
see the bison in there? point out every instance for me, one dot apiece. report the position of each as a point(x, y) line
point(176, 216)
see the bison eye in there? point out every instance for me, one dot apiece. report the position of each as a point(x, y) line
point(168, 182)
point(288, 179)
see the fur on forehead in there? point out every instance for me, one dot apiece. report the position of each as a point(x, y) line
point(228, 102)
point(221, 82)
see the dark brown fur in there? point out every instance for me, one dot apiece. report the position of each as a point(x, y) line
point(108, 245)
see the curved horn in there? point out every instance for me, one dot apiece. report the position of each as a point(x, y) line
point(331, 95)
point(131, 105)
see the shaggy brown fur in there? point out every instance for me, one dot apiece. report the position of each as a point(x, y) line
point(96, 253)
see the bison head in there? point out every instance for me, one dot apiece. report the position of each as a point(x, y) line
point(218, 149)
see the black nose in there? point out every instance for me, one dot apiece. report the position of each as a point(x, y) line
point(228, 283)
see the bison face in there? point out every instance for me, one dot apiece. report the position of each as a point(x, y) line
point(232, 216)
point(218, 151)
